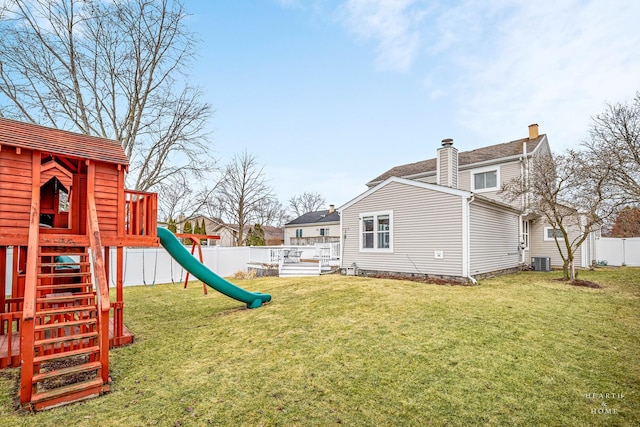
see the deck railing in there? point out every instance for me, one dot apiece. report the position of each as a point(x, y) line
point(9, 339)
point(141, 213)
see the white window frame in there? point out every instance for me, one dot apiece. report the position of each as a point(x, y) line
point(474, 172)
point(300, 233)
point(325, 231)
point(376, 232)
point(526, 227)
point(546, 234)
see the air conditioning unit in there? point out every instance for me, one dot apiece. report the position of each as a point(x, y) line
point(541, 263)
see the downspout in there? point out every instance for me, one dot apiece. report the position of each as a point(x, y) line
point(466, 239)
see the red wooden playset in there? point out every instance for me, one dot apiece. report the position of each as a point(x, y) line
point(62, 206)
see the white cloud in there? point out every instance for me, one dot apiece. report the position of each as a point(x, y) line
point(392, 24)
point(505, 64)
point(554, 63)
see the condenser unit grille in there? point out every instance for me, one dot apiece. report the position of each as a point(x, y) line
point(540, 263)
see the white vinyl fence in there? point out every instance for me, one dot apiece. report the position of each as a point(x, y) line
point(148, 266)
point(618, 251)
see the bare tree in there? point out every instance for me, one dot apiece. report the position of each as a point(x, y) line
point(242, 191)
point(564, 192)
point(179, 197)
point(270, 211)
point(306, 202)
point(614, 148)
point(109, 69)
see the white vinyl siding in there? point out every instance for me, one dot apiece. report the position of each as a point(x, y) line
point(507, 172)
point(539, 247)
point(424, 221)
point(494, 238)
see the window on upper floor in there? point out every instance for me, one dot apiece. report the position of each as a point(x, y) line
point(298, 232)
point(376, 231)
point(485, 179)
point(324, 231)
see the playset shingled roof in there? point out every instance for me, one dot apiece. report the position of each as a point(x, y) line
point(465, 158)
point(64, 143)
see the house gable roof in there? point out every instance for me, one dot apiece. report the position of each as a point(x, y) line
point(466, 159)
point(419, 184)
point(64, 143)
point(316, 218)
point(433, 187)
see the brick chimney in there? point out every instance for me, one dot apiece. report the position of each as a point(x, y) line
point(533, 131)
point(447, 164)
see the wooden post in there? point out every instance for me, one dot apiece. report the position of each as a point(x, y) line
point(3, 278)
point(119, 319)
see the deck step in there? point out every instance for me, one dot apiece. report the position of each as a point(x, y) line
point(85, 367)
point(66, 338)
point(65, 354)
point(67, 394)
point(70, 324)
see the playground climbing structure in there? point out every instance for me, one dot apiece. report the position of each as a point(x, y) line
point(63, 206)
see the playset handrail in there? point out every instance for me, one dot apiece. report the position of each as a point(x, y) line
point(99, 273)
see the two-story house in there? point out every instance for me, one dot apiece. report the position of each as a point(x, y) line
point(313, 227)
point(444, 217)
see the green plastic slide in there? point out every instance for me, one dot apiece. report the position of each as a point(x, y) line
point(190, 263)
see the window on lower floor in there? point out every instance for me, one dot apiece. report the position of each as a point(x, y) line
point(525, 235)
point(551, 233)
point(376, 231)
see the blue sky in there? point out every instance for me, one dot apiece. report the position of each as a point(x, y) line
point(329, 94)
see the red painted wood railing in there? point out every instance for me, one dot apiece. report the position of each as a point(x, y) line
point(141, 213)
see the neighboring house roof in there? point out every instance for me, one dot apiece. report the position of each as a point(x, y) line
point(316, 218)
point(465, 158)
point(69, 144)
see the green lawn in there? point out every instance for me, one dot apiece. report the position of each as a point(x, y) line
point(518, 350)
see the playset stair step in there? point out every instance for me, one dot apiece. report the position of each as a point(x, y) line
point(63, 251)
point(64, 285)
point(65, 354)
point(70, 393)
point(67, 309)
point(66, 338)
point(76, 274)
point(71, 324)
point(64, 264)
point(64, 297)
point(85, 367)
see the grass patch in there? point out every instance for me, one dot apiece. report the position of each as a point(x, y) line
point(520, 350)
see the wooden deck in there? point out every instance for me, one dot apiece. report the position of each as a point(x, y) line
point(127, 338)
